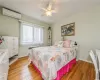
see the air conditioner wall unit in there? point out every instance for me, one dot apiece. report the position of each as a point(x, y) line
point(11, 13)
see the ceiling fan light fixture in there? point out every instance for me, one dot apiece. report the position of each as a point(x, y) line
point(48, 13)
point(49, 7)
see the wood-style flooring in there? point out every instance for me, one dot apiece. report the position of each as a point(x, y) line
point(21, 70)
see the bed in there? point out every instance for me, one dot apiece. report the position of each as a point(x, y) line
point(52, 62)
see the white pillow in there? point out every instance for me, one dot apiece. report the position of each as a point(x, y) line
point(72, 43)
point(98, 54)
point(59, 44)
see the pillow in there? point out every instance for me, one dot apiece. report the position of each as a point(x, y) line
point(98, 54)
point(66, 43)
point(72, 43)
point(56, 43)
point(59, 44)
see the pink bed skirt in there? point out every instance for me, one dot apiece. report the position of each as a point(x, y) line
point(65, 69)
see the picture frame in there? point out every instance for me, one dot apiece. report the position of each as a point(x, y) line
point(68, 30)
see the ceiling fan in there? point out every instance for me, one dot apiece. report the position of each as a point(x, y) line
point(49, 8)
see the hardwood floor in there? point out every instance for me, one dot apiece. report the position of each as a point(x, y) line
point(21, 71)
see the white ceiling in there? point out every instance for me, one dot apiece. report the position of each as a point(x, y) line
point(65, 8)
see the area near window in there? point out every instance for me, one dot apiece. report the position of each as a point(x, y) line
point(31, 34)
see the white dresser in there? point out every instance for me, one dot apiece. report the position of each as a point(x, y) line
point(4, 64)
point(11, 43)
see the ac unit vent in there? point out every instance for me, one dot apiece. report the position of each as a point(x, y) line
point(11, 13)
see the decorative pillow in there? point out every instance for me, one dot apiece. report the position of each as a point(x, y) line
point(59, 44)
point(67, 43)
point(72, 43)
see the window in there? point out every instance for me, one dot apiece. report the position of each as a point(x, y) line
point(38, 35)
point(31, 34)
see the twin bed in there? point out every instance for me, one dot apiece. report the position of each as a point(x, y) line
point(53, 62)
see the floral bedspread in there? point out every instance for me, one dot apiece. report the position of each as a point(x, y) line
point(50, 59)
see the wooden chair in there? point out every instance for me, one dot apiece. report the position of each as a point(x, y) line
point(93, 57)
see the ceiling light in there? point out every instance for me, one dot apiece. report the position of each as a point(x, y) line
point(48, 7)
point(48, 13)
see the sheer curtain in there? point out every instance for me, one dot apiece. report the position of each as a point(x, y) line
point(31, 34)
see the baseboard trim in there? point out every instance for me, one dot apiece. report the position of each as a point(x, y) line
point(22, 57)
point(86, 61)
point(13, 60)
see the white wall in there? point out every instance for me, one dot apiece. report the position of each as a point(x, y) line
point(11, 27)
point(87, 30)
point(8, 26)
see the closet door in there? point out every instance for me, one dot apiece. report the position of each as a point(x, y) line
point(15, 45)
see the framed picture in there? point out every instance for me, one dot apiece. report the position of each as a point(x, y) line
point(68, 30)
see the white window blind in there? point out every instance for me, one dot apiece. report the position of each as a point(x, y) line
point(31, 34)
point(38, 35)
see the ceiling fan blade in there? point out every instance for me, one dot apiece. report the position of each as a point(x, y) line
point(44, 14)
point(44, 9)
point(49, 6)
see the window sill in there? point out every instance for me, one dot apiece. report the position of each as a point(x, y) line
point(33, 45)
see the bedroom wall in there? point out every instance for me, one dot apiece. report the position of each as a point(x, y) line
point(11, 27)
point(8, 26)
point(87, 30)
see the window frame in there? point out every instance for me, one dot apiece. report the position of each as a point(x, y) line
point(31, 25)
